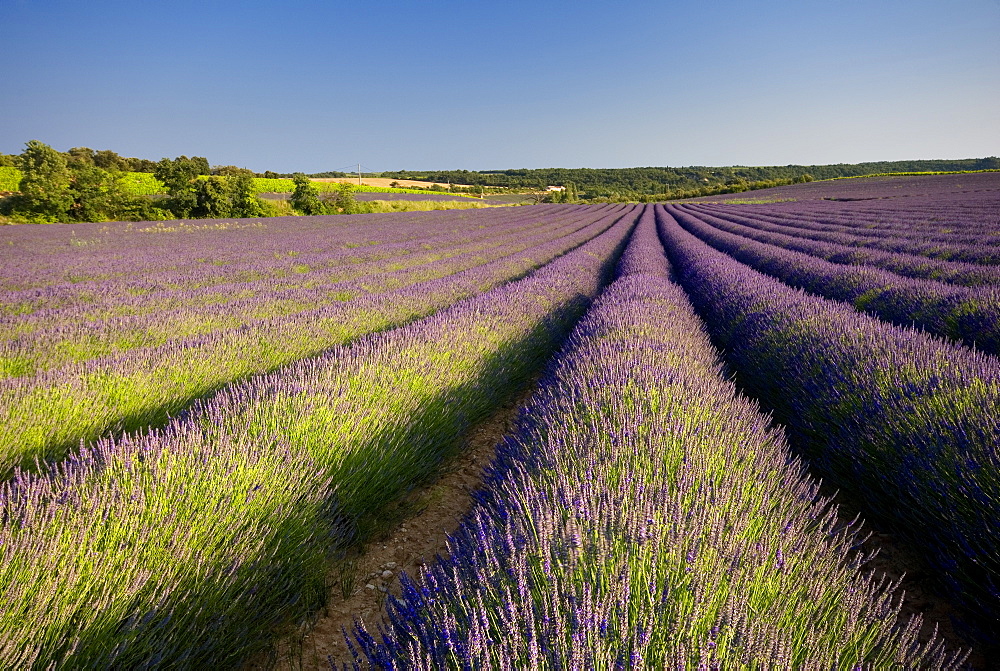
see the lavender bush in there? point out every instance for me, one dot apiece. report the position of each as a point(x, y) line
point(960, 228)
point(881, 192)
point(839, 248)
point(48, 338)
point(970, 315)
point(906, 422)
point(644, 515)
point(46, 414)
point(184, 547)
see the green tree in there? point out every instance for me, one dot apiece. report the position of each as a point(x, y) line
point(179, 176)
point(95, 192)
point(176, 173)
point(142, 209)
point(344, 201)
point(81, 155)
point(109, 160)
point(246, 203)
point(44, 183)
point(305, 197)
point(230, 170)
point(200, 163)
point(213, 198)
point(141, 165)
point(570, 195)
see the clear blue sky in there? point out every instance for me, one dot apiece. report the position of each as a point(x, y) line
point(441, 84)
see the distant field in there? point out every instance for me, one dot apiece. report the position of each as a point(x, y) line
point(443, 197)
point(868, 188)
point(383, 182)
point(389, 195)
point(9, 178)
point(511, 198)
point(268, 185)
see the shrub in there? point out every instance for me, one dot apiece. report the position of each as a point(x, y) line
point(305, 197)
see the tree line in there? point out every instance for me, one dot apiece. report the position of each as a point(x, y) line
point(635, 183)
point(84, 185)
point(104, 159)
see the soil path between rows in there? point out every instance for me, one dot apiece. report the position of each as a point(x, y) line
point(417, 541)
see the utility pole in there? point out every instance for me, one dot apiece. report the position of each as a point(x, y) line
point(359, 174)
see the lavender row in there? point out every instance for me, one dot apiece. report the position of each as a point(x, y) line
point(893, 190)
point(957, 219)
point(143, 273)
point(147, 318)
point(40, 342)
point(967, 314)
point(186, 547)
point(941, 204)
point(839, 249)
point(44, 416)
point(79, 258)
point(644, 515)
point(960, 236)
point(954, 220)
point(904, 421)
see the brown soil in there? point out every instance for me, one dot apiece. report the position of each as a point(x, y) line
point(417, 540)
point(382, 181)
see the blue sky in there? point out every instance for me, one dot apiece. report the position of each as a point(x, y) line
point(440, 84)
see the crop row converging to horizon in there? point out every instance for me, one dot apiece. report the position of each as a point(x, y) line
point(197, 423)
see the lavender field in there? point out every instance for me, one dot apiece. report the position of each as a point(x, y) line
point(388, 195)
point(199, 418)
